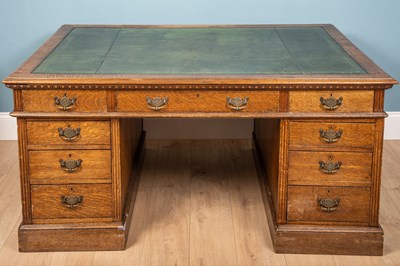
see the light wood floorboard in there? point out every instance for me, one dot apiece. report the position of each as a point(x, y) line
point(212, 239)
point(198, 204)
point(137, 233)
point(248, 211)
point(167, 230)
point(10, 207)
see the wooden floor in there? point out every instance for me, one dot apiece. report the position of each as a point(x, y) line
point(198, 203)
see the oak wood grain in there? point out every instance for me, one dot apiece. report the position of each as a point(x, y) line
point(356, 135)
point(367, 241)
point(24, 171)
point(43, 100)
point(63, 239)
point(130, 137)
point(17, 97)
point(376, 173)
point(389, 218)
point(309, 101)
point(355, 168)
point(197, 101)
point(267, 136)
point(46, 132)
point(47, 204)
point(283, 169)
point(379, 99)
point(354, 204)
point(96, 164)
point(311, 239)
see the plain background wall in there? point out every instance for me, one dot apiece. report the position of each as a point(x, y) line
point(374, 26)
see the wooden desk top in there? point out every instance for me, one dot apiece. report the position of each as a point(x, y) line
point(255, 54)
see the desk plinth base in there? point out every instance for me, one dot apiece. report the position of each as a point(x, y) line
point(315, 239)
point(303, 239)
point(332, 241)
point(85, 236)
point(77, 237)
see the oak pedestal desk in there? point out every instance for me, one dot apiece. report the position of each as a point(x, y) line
point(316, 100)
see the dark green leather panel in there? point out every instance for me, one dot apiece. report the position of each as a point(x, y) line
point(315, 52)
point(308, 50)
point(81, 52)
point(198, 51)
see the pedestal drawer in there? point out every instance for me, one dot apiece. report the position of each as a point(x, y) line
point(71, 201)
point(330, 168)
point(197, 101)
point(64, 101)
point(66, 166)
point(331, 101)
point(328, 204)
point(68, 132)
point(328, 135)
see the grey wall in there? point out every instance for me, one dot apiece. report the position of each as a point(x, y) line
point(372, 25)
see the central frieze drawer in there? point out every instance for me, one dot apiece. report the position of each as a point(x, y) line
point(70, 165)
point(71, 201)
point(331, 101)
point(328, 204)
point(197, 101)
point(68, 132)
point(330, 168)
point(328, 135)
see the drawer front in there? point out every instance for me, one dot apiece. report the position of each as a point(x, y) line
point(328, 204)
point(68, 132)
point(45, 101)
point(310, 101)
point(330, 168)
point(328, 135)
point(197, 101)
point(47, 164)
point(71, 201)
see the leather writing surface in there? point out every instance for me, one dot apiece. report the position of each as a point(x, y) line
point(252, 50)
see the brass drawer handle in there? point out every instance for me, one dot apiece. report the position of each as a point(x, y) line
point(328, 205)
point(157, 103)
point(64, 103)
point(70, 165)
point(71, 201)
point(331, 103)
point(237, 103)
point(69, 134)
point(329, 167)
point(330, 135)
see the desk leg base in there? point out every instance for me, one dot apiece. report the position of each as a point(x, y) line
point(33, 238)
point(85, 236)
point(331, 241)
point(315, 239)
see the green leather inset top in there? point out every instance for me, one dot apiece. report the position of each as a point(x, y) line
point(301, 51)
